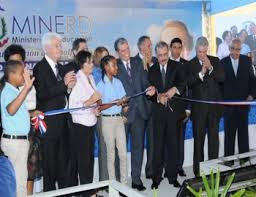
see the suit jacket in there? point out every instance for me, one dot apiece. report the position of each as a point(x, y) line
point(71, 66)
point(243, 84)
point(50, 93)
point(146, 99)
point(138, 83)
point(174, 77)
point(211, 88)
point(251, 42)
point(186, 93)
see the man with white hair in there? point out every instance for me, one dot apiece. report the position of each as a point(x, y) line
point(239, 85)
point(205, 80)
point(51, 91)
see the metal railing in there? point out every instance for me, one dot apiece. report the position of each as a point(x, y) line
point(114, 189)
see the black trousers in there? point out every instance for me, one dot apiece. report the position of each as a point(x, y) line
point(205, 123)
point(165, 137)
point(55, 153)
point(82, 155)
point(150, 146)
point(181, 137)
point(236, 119)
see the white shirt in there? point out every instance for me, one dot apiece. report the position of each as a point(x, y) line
point(165, 67)
point(81, 92)
point(52, 64)
point(223, 50)
point(177, 60)
point(125, 64)
point(234, 64)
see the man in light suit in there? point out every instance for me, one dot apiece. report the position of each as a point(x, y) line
point(130, 73)
point(239, 85)
point(51, 92)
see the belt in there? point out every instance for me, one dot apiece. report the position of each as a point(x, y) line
point(15, 137)
point(111, 115)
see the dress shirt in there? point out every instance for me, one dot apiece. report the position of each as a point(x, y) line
point(245, 49)
point(110, 91)
point(125, 64)
point(81, 92)
point(234, 64)
point(176, 60)
point(52, 64)
point(19, 123)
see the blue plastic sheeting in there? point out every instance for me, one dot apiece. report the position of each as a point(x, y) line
point(218, 6)
point(7, 178)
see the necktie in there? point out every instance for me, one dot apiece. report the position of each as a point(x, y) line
point(163, 75)
point(58, 73)
point(128, 68)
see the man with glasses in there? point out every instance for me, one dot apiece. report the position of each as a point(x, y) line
point(238, 85)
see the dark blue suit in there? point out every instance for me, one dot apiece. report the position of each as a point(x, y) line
point(137, 113)
point(237, 87)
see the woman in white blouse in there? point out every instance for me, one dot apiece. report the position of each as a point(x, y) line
point(223, 49)
point(82, 138)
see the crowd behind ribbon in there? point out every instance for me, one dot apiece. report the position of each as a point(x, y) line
point(66, 151)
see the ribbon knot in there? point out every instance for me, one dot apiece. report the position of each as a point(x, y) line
point(39, 123)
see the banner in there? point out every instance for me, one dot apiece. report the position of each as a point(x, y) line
point(100, 22)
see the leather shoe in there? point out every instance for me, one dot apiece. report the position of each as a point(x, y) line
point(155, 185)
point(175, 183)
point(182, 172)
point(140, 187)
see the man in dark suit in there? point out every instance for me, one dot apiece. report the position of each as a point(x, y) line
point(79, 44)
point(147, 60)
point(51, 90)
point(206, 77)
point(238, 85)
point(130, 73)
point(176, 49)
point(169, 80)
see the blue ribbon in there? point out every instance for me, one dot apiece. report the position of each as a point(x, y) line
point(225, 102)
point(69, 110)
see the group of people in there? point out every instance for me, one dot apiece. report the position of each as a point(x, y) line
point(247, 38)
point(104, 86)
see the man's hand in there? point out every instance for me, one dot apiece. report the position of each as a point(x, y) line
point(187, 116)
point(206, 63)
point(71, 84)
point(70, 78)
point(163, 99)
point(151, 90)
point(249, 98)
point(35, 113)
point(97, 111)
point(171, 92)
point(28, 80)
point(126, 109)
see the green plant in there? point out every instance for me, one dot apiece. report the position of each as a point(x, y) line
point(212, 188)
